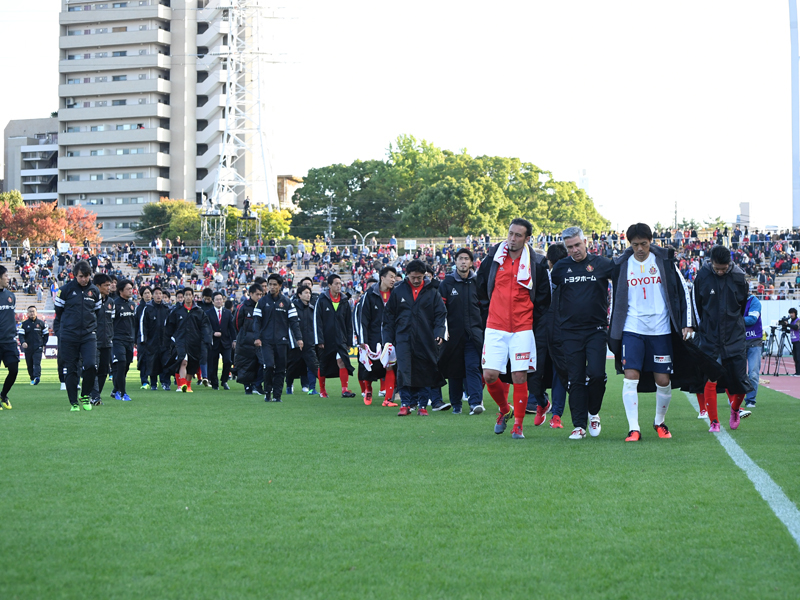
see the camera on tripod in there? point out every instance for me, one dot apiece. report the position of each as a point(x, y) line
point(785, 324)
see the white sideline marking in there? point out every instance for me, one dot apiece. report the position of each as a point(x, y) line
point(778, 501)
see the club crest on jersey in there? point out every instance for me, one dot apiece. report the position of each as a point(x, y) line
point(569, 270)
point(10, 300)
point(653, 270)
point(454, 292)
point(522, 356)
point(589, 268)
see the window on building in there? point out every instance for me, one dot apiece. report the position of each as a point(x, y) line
point(73, 129)
point(73, 81)
point(96, 153)
point(96, 177)
point(71, 153)
point(119, 78)
point(101, 103)
point(118, 29)
point(96, 128)
point(120, 53)
point(101, 79)
point(101, 55)
point(73, 177)
point(119, 5)
point(119, 102)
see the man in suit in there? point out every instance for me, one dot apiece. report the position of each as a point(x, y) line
point(224, 338)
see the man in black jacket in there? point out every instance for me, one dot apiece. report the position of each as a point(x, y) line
point(124, 336)
point(579, 324)
point(223, 339)
point(9, 351)
point(190, 329)
point(33, 336)
point(104, 336)
point(719, 298)
point(461, 352)
point(414, 325)
point(303, 363)
point(247, 359)
point(144, 358)
point(77, 305)
point(153, 323)
point(333, 335)
point(370, 319)
point(275, 319)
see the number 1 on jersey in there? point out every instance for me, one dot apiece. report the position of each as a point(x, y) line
point(644, 291)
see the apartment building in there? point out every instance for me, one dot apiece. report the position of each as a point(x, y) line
point(30, 162)
point(142, 103)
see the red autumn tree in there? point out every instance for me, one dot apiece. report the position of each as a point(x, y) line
point(81, 225)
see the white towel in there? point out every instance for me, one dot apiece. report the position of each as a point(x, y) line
point(524, 272)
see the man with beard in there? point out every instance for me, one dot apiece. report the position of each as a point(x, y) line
point(371, 310)
point(333, 331)
point(124, 335)
point(275, 320)
point(248, 357)
point(461, 352)
point(303, 362)
point(414, 325)
point(515, 283)
point(191, 331)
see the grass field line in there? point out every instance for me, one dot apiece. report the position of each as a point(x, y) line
point(778, 501)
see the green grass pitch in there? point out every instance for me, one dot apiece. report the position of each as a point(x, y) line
point(219, 495)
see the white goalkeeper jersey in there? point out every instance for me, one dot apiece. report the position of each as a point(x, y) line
point(647, 311)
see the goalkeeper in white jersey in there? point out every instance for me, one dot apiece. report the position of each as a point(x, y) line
point(651, 309)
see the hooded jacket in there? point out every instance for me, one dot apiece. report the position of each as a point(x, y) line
point(719, 304)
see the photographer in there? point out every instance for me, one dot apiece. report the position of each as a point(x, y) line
point(794, 327)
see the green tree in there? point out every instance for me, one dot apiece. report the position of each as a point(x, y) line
point(714, 223)
point(274, 224)
point(169, 218)
point(12, 199)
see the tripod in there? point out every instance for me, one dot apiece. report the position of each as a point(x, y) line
point(775, 350)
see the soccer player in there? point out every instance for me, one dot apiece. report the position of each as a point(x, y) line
point(33, 335)
point(333, 334)
point(303, 363)
point(154, 319)
point(368, 330)
point(124, 336)
point(144, 358)
point(247, 358)
point(514, 281)
point(9, 351)
point(277, 325)
point(579, 325)
point(414, 324)
point(651, 301)
point(461, 353)
point(224, 339)
point(190, 330)
point(719, 298)
point(77, 304)
point(104, 336)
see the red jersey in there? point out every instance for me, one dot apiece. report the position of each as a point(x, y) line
point(511, 308)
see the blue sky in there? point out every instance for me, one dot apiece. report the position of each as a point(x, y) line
point(659, 101)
